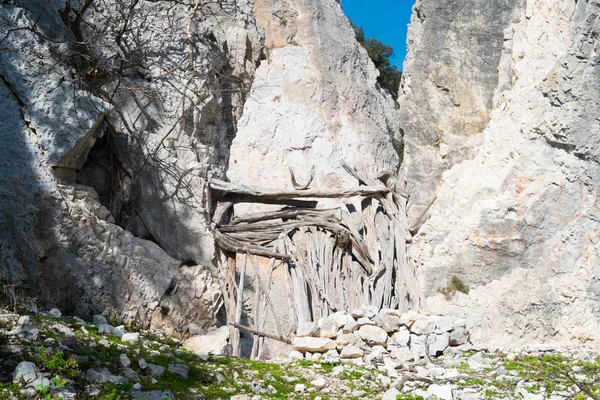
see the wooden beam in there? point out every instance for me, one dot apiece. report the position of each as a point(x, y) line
point(286, 194)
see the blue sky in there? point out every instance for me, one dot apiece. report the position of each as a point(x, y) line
point(385, 20)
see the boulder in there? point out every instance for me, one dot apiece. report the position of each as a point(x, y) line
point(307, 329)
point(215, 342)
point(373, 335)
point(400, 338)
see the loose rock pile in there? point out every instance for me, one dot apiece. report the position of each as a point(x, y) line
point(386, 337)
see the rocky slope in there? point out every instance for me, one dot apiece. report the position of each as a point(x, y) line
point(510, 204)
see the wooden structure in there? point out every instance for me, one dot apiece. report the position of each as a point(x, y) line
point(335, 258)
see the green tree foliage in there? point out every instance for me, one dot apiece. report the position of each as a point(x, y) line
point(380, 54)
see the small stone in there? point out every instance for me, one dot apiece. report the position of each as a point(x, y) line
point(348, 339)
point(364, 321)
point(142, 363)
point(341, 318)
point(391, 394)
point(55, 313)
point(388, 323)
point(79, 320)
point(296, 355)
point(319, 383)
point(132, 337)
point(24, 320)
point(442, 392)
point(299, 388)
point(444, 324)
point(124, 360)
point(137, 386)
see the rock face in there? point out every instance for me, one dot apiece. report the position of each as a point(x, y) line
point(515, 213)
point(109, 131)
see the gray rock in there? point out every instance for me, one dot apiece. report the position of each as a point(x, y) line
point(459, 337)
point(55, 313)
point(153, 395)
point(180, 369)
point(156, 370)
point(100, 320)
point(125, 362)
point(25, 370)
point(103, 375)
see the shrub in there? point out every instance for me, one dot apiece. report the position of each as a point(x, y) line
point(455, 285)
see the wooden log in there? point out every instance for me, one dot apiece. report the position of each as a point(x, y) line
point(237, 246)
point(286, 214)
point(255, 332)
point(244, 198)
point(286, 194)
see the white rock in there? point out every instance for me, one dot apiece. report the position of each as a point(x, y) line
point(214, 342)
point(439, 343)
point(313, 345)
point(195, 330)
point(299, 388)
point(387, 322)
point(351, 352)
point(131, 337)
point(408, 318)
point(423, 325)
point(347, 339)
point(142, 363)
point(401, 354)
point(24, 320)
point(307, 329)
point(391, 394)
point(341, 318)
point(319, 383)
point(373, 335)
point(401, 338)
point(327, 328)
point(364, 321)
point(296, 355)
point(350, 327)
point(459, 337)
point(443, 323)
point(137, 386)
point(442, 392)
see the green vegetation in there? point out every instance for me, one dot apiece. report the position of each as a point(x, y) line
point(455, 285)
point(58, 364)
point(380, 53)
point(408, 396)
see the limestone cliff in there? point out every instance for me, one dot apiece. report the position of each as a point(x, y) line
point(504, 179)
point(115, 114)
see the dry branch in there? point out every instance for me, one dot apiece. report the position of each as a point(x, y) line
point(257, 333)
